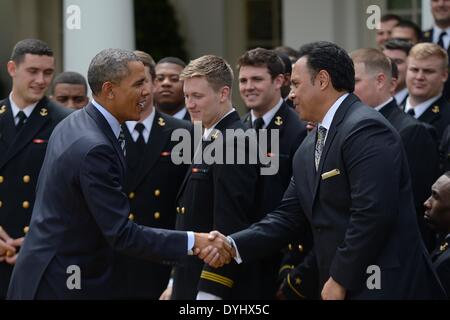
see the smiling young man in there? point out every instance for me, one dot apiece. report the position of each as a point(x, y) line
point(81, 215)
point(27, 119)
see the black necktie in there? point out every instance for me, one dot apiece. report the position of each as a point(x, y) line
point(121, 140)
point(140, 142)
point(411, 112)
point(258, 124)
point(22, 119)
point(441, 40)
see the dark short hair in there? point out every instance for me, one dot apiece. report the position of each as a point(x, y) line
point(410, 25)
point(173, 60)
point(148, 61)
point(70, 78)
point(30, 46)
point(394, 69)
point(290, 52)
point(397, 44)
point(286, 62)
point(324, 55)
point(389, 17)
point(260, 57)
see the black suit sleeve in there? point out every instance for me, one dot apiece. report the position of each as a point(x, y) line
point(101, 185)
point(373, 156)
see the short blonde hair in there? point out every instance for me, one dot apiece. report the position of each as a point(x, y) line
point(374, 61)
point(424, 50)
point(215, 69)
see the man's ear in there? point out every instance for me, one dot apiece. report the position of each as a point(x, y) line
point(11, 67)
point(279, 81)
point(108, 90)
point(224, 94)
point(324, 79)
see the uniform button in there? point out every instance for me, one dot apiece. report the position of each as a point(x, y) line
point(1, 204)
point(131, 217)
point(300, 248)
point(183, 210)
point(157, 193)
point(26, 229)
point(178, 210)
point(26, 179)
point(290, 247)
point(25, 204)
point(157, 215)
point(131, 195)
point(2, 179)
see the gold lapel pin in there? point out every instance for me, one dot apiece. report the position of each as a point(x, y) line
point(279, 121)
point(436, 109)
point(44, 112)
point(443, 247)
point(2, 109)
point(161, 122)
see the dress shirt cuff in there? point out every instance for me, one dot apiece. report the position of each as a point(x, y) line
point(190, 243)
point(207, 296)
point(238, 258)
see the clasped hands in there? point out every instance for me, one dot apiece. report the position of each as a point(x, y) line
point(9, 247)
point(213, 248)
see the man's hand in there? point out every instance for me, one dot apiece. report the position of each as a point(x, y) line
point(333, 291)
point(7, 249)
point(214, 249)
point(167, 294)
point(17, 243)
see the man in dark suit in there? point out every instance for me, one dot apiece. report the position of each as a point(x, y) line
point(440, 33)
point(425, 79)
point(351, 184)
point(27, 119)
point(81, 213)
point(169, 96)
point(216, 192)
point(437, 214)
point(151, 183)
point(373, 77)
point(261, 77)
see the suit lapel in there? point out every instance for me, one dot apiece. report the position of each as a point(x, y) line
point(38, 119)
point(7, 128)
point(106, 129)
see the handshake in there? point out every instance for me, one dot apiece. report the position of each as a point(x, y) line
point(214, 249)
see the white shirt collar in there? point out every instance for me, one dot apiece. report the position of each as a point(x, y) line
point(378, 108)
point(437, 32)
point(180, 114)
point(328, 119)
point(421, 107)
point(401, 95)
point(207, 132)
point(112, 121)
point(15, 109)
point(147, 122)
point(268, 116)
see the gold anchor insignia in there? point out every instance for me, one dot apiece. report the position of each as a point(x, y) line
point(2, 109)
point(44, 112)
point(215, 135)
point(426, 34)
point(298, 281)
point(443, 247)
point(161, 122)
point(436, 109)
point(279, 121)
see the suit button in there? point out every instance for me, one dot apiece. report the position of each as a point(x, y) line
point(26, 179)
point(26, 229)
point(300, 248)
point(183, 210)
point(157, 193)
point(131, 195)
point(26, 205)
point(2, 179)
point(131, 217)
point(157, 215)
point(1, 204)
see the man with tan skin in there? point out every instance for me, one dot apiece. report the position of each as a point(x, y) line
point(27, 119)
point(407, 31)
point(425, 78)
point(70, 90)
point(384, 30)
point(169, 96)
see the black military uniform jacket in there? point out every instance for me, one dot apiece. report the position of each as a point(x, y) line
point(217, 197)
point(441, 263)
point(437, 115)
point(21, 158)
point(152, 183)
point(427, 36)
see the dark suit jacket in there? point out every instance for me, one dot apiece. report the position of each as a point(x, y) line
point(21, 157)
point(218, 197)
point(360, 207)
point(423, 160)
point(81, 216)
point(437, 115)
point(152, 183)
point(441, 262)
point(427, 36)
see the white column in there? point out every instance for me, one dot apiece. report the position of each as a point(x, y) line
point(93, 25)
point(427, 17)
